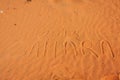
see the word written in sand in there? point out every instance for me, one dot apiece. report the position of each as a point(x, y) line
point(84, 48)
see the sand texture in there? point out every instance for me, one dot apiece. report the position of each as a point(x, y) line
point(59, 39)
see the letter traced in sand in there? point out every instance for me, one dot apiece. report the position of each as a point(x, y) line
point(106, 48)
point(89, 49)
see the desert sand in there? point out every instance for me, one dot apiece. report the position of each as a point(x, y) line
point(59, 39)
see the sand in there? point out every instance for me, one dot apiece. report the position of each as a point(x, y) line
point(59, 39)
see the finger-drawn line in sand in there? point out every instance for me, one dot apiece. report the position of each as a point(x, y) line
point(33, 47)
point(75, 48)
point(81, 48)
point(94, 53)
point(65, 47)
point(45, 48)
point(82, 51)
point(109, 46)
point(73, 45)
point(89, 49)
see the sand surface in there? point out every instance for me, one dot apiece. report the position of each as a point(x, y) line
point(59, 39)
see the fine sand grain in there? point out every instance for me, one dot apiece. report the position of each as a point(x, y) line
point(59, 39)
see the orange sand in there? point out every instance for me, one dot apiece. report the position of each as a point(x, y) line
point(59, 39)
